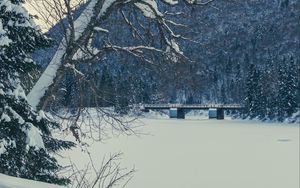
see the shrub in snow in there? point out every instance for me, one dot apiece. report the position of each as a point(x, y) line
point(26, 144)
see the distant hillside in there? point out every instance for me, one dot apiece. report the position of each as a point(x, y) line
point(228, 36)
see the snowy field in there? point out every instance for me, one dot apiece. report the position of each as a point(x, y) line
point(205, 153)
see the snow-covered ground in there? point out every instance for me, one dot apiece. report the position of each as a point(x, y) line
point(195, 153)
point(12, 182)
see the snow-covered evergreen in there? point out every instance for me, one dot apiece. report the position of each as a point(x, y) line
point(252, 101)
point(287, 94)
point(272, 94)
point(26, 143)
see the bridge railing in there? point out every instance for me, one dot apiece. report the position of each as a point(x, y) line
point(192, 106)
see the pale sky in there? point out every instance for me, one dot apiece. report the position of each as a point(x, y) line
point(40, 22)
point(37, 21)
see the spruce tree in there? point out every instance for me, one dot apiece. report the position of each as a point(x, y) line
point(26, 143)
point(292, 83)
point(270, 88)
point(253, 93)
point(287, 95)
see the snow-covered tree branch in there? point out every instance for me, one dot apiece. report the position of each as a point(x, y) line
point(81, 30)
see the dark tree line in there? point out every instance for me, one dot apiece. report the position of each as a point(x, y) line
point(272, 92)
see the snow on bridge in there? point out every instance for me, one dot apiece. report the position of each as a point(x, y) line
point(193, 106)
point(177, 110)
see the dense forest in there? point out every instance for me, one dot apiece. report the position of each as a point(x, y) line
point(249, 58)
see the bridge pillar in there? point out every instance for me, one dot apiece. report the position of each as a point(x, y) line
point(180, 113)
point(220, 113)
point(146, 110)
point(176, 113)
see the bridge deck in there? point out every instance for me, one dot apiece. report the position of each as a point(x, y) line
point(192, 106)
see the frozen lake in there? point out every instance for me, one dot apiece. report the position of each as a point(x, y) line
point(206, 153)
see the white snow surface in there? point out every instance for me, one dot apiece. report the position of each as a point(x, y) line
point(41, 116)
point(5, 117)
point(84, 19)
point(34, 137)
point(2, 92)
point(4, 40)
point(13, 182)
point(171, 2)
point(15, 115)
point(18, 9)
point(100, 29)
point(149, 8)
point(4, 144)
point(19, 92)
point(197, 152)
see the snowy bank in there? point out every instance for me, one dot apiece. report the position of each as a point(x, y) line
point(13, 182)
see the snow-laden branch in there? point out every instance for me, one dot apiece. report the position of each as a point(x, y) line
point(81, 30)
point(134, 48)
point(90, 55)
point(149, 8)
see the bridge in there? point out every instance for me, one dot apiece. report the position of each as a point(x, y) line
point(178, 110)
